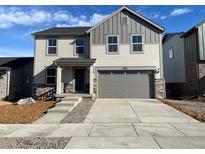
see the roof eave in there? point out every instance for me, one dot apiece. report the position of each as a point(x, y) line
point(57, 34)
point(189, 31)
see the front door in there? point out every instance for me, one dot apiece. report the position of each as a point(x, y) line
point(79, 79)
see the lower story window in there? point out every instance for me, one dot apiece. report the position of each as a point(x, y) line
point(50, 75)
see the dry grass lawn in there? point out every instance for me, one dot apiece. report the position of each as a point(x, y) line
point(23, 114)
point(4, 103)
point(196, 115)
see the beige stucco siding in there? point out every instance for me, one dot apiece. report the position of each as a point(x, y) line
point(67, 75)
point(149, 57)
point(65, 49)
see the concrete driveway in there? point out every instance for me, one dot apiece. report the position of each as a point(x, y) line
point(135, 123)
point(134, 110)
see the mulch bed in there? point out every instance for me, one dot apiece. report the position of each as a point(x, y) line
point(79, 113)
point(24, 114)
point(193, 113)
point(33, 142)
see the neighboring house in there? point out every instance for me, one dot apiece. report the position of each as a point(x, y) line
point(16, 74)
point(119, 57)
point(194, 48)
point(174, 64)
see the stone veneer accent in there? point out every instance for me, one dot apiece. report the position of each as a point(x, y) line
point(95, 86)
point(160, 91)
point(40, 90)
point(67, 88)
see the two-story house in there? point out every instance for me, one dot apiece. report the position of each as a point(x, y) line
point(184, 62)
point(120, 57)
point(194, 51)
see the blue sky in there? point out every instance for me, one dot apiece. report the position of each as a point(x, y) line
point(18, 22)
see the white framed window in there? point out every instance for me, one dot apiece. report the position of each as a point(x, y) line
point(112, 43)
point(79, 46)
point(52, 46)
point(171, 53)
point(137, 43)
point(51, 76)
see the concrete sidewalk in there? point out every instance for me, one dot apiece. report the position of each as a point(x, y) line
point(116, 135)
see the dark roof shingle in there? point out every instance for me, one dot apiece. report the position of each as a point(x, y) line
point(14, 62)
point(62, 31)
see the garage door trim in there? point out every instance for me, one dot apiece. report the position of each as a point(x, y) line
point(150, 86)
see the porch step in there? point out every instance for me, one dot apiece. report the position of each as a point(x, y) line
point(66, 103)
point(60, 109)
point(70, 99)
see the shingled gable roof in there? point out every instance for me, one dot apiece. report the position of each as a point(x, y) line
point(63, 31)
point(133, 12)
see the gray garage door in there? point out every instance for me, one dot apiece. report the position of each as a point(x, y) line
point(125, 84)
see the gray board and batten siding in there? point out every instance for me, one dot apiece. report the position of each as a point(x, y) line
point(116, 25)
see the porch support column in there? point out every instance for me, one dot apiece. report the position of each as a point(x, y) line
point(91, 80)
point(58, 80)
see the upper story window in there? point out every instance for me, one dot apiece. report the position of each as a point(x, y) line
point(80, 46)
point(171, 53)
point(112, 44)
point(50, 75)
point(52, 46)
point(136, 43)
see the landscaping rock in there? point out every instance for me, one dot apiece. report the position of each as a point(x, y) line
point(33, 142)
point(28, 100)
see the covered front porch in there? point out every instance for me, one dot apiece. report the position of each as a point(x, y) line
point(73, 75)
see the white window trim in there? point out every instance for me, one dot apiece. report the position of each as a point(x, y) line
point(131, 43)
point(52, 46)
point(50, 76)
point(112, 44)
point(80, 46)
point(172, 53)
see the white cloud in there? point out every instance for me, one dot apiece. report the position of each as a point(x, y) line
point(157, 16)
point(83, 21)
point(95, 18)
point(16, 16)
point(181, 11)
point(163, 17)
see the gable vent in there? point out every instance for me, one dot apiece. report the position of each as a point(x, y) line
point(124, 21)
